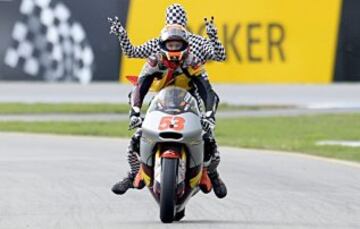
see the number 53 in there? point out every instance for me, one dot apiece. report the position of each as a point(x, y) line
point(171, 122)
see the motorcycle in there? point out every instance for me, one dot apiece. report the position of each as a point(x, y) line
point(172, 151)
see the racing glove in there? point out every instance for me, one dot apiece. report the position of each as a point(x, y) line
point(135, 119)
point(116, 27)
point(208, 124)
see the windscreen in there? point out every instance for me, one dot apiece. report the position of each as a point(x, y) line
point(174, 100)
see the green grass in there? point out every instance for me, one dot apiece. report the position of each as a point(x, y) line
point(62, 108)
point(96, 108)
point(108, 129)
point(298, 134)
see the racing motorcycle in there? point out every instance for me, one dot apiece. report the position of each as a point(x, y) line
point(172, 151)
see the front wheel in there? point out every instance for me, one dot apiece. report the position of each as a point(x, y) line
point(168, 190)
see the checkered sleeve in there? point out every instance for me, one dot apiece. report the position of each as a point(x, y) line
point(142, 51)
point(207, 49)
point(214, 50)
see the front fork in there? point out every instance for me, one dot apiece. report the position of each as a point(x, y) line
point(175, 153)
point(186, 177)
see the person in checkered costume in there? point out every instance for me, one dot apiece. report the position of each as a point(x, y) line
point(202, 50)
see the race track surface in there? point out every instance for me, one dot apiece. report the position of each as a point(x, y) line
point(64, 182)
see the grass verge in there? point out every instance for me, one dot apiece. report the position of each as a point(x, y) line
point(62, 108)
point(96, 108)
point(298, 134)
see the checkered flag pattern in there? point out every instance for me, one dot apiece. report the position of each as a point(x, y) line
point(48, 43)
point(206, 49)
point(202, 48)
point(176, 14)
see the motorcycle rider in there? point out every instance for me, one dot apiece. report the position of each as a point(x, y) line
point(201, 49)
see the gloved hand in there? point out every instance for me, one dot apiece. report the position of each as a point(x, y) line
point(208, 124)
point(135, 119)
point(135, 122)
point(116, 27)
point(211, 29)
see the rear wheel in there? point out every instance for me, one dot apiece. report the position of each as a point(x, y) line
point(168, 190)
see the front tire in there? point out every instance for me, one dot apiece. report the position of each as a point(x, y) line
point(168, 190)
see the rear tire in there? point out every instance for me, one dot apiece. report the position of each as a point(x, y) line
point(168, 190)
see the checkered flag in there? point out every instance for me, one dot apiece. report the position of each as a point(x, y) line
point(47, 42)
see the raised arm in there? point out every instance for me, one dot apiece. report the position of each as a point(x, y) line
point(212, 47)
point(142, 51)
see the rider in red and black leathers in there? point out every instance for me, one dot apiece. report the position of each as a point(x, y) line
point(201, 50)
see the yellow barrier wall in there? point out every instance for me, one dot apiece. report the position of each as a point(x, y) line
point(267, 41)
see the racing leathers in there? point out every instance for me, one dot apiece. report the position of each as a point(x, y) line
point(190, 75)
point(202, 50)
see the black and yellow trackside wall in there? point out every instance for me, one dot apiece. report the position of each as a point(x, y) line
point(267, 41)
point(59, 40)
point(347, 67)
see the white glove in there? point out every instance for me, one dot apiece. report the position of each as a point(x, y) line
point(208, 124)
point(135, 121)
point(116, 27)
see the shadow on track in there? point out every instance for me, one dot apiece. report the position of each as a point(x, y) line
point(244, 223)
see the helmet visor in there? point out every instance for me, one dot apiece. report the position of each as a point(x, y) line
point(174, 45)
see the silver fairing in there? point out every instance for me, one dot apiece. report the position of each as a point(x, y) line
point(191, 136)
point(173, 116)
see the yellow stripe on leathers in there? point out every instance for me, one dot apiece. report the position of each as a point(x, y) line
point(181, 80)
point(267, 41)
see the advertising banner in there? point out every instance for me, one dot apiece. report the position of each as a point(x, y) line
point(267, 41)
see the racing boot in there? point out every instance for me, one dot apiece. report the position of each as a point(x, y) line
point(122, 186)
point(128, 182)
point(218, 185)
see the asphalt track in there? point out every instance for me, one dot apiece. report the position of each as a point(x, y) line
point(64, 182)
